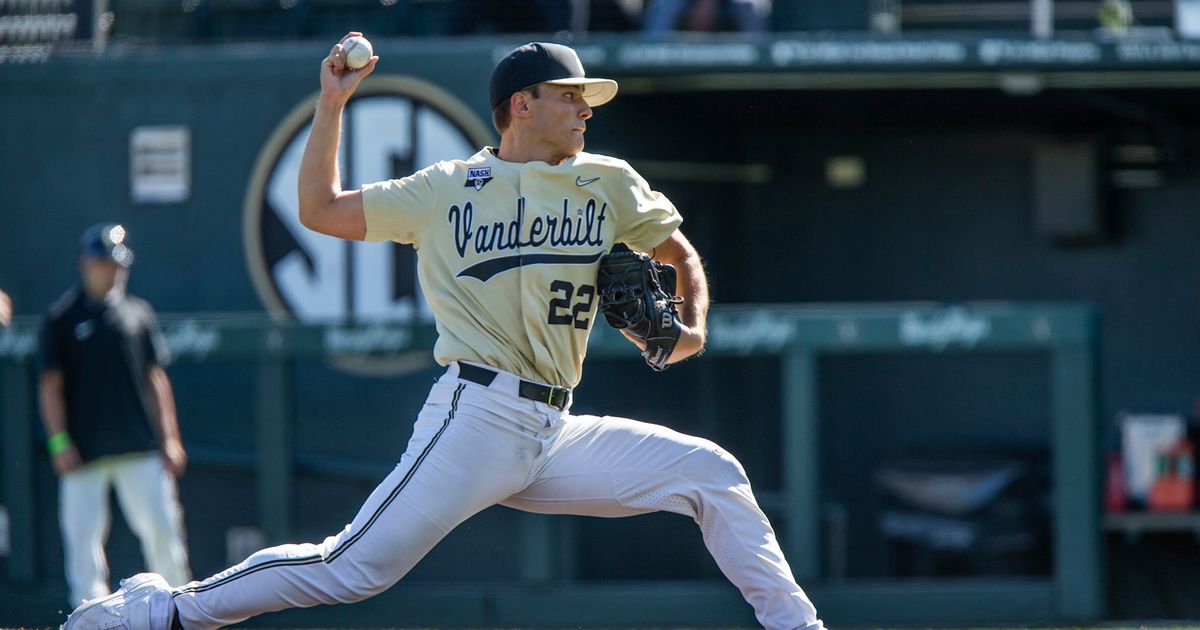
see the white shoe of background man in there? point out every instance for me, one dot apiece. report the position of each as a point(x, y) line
point(142, 603)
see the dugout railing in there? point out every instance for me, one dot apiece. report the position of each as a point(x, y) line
point(797, 335)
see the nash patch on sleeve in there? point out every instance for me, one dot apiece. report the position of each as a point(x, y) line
point(478, 177)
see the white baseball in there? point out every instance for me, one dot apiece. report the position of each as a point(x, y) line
point(358, 51)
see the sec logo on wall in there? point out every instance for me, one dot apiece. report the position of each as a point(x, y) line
point(392, 127)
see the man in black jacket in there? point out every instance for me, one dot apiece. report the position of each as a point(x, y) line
point(109, 415)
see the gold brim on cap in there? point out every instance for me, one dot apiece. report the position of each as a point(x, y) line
point(595, 91)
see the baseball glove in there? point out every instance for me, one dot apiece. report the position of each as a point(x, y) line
point(637, 294)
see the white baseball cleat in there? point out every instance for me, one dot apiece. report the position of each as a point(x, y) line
point(142, 603)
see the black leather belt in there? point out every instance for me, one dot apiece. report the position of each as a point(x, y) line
point(553, 396)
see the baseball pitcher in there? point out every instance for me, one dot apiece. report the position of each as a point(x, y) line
point(516, 259)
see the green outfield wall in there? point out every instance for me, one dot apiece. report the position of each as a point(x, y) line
point(524, 570)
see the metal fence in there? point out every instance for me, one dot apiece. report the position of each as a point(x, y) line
point(797, 335)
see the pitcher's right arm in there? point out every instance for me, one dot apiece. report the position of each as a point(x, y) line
point(324, 206)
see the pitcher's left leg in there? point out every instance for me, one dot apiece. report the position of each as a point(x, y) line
point(619, 467)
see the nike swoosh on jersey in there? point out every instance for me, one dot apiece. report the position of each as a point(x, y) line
point(584, 182)
point(488, 268)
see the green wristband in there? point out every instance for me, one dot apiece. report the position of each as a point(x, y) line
point(58, 443)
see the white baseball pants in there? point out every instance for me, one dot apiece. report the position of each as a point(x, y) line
point(150, 503)
point(475, 446)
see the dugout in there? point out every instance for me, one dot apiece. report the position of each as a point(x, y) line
point(810, 170)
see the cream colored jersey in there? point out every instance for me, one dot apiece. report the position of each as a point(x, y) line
point(507, 252)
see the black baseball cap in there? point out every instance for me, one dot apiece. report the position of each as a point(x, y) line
point(541, 62)
point(106, 240)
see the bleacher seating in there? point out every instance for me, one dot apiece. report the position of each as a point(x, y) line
point(249, 20)
point(1014, 15)
point(45, 22)
point(30, 28)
